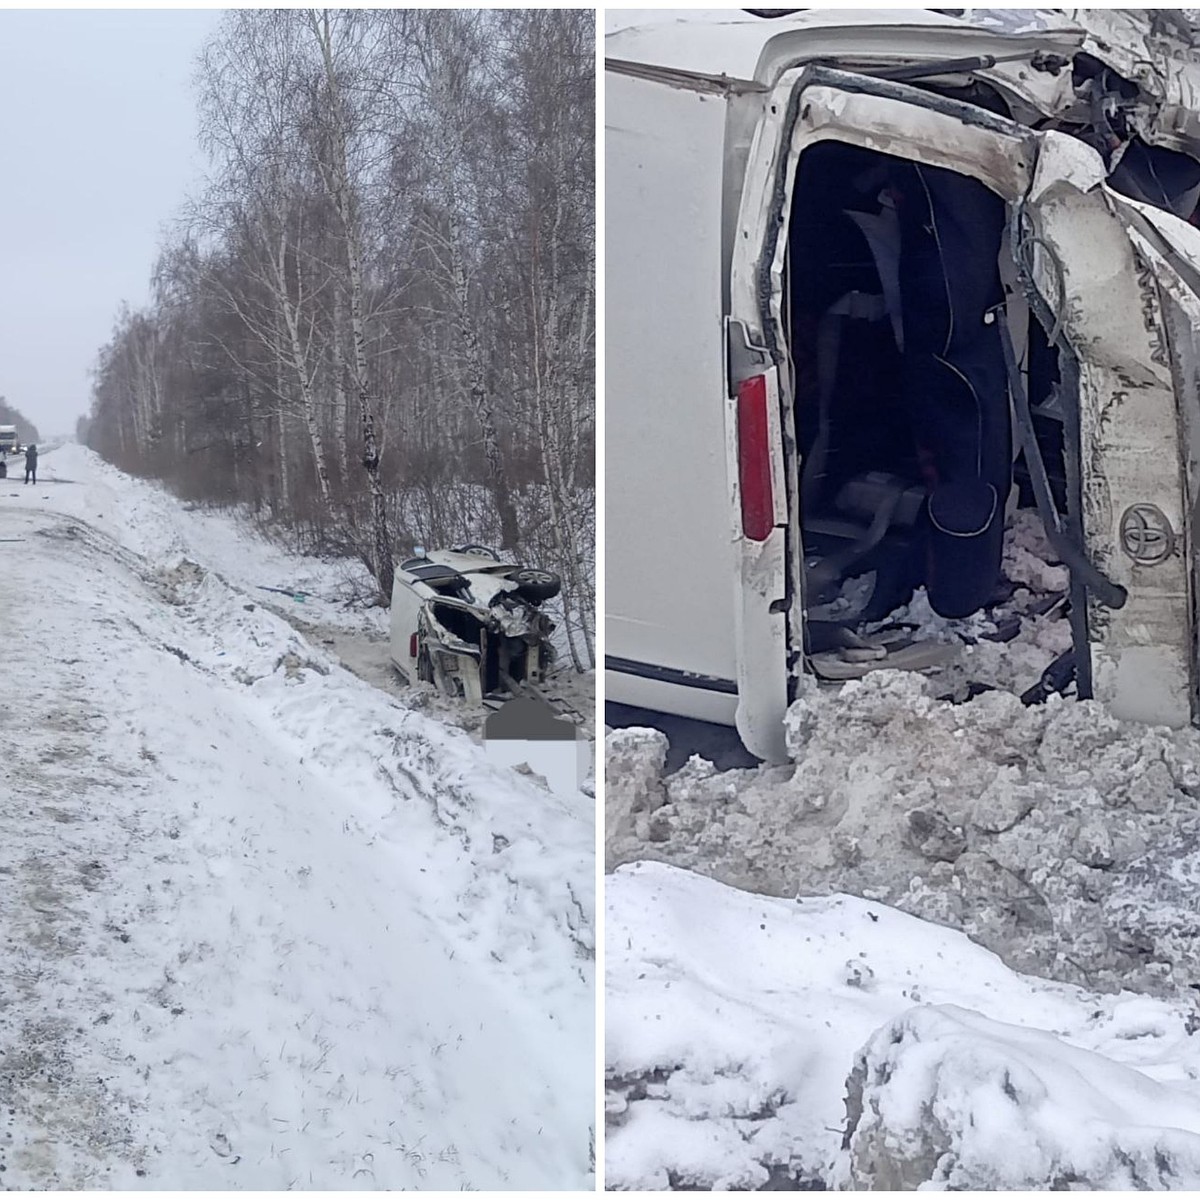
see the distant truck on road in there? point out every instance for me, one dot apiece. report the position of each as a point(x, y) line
point(8, 440)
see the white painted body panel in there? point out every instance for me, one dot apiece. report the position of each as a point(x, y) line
point(668, 538)
point(406, 605)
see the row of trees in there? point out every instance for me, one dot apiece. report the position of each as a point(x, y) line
point(375, 326)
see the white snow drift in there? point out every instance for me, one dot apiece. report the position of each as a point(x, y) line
point(758, 1042)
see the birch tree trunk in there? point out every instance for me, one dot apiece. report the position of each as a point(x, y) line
point(299, 357)
point(336, 170)
point(285, 490)
point(341, 401)
point(482, 399)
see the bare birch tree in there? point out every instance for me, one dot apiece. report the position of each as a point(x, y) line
point(375, 323)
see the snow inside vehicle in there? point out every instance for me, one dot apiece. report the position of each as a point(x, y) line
point(470, 623)
point(876, 280)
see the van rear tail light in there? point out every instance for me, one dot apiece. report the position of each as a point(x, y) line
point(754, 459)
point(412, 646)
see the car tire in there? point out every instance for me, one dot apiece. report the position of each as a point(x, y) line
point(535, 585)
point(475, 548)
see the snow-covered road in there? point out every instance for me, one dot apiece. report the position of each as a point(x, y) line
point(263, 926)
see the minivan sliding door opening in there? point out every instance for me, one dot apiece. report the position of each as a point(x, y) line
point(922, 544)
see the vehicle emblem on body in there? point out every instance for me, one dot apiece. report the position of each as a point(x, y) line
point(1146, 534)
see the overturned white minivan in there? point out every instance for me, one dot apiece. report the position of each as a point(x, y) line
point(875, 281)
point(471, 623)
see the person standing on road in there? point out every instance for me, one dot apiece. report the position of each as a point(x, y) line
point(31, 464)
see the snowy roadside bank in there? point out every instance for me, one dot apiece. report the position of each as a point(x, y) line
point(265, 928)
point(754, 1042)
point(322, 598)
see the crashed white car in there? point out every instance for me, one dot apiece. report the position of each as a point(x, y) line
point(876, 280)
point(470, 623)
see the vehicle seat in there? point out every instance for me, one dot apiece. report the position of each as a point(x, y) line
point(873, 515)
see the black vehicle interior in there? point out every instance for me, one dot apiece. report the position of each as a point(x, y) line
point(444, 580)
point(499, 655)
point(902, 407)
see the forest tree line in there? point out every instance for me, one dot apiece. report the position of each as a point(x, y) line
point(374, 325)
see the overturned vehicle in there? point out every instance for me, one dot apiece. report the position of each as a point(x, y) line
point(470, 623)
point(898, 281)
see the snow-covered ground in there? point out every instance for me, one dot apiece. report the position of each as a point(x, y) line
point(754, 1042)
point(264, 926)
point(828, 1023)
point(1062, 839)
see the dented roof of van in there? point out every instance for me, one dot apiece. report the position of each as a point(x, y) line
point(1153, 49)
point(737, 44)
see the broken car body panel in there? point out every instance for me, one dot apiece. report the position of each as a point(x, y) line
point(1149, 50)
point(1171, 248)
point(460, 621)
point(1112, 317)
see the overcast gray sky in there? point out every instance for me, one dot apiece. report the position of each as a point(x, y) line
point(98, 150)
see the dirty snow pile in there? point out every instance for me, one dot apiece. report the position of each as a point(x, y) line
point(837, 996)
point(1062, 839)
point(264, 927)
point(1036, 578)
point(754, 1042)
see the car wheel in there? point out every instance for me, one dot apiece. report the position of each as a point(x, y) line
point(535, 585)
point(475, 548)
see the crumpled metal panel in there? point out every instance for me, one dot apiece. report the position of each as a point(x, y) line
point(1112, 316)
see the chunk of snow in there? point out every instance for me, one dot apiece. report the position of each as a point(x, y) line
point(735, 1023)
point(946, 1098)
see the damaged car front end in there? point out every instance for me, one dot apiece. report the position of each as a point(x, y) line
point(470, 624)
